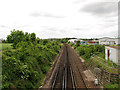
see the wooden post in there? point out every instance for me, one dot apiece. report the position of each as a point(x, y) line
point(109, 77)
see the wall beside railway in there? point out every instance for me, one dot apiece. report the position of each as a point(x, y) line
point(103, 76)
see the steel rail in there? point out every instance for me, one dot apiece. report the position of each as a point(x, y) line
point(53, 85)
point(64, 85)
point(71, 72)
point(73, 79)
point(64, 77)
point(65, 72)
point(64, 80)
point(81, 76)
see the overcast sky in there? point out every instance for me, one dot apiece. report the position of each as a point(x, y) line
point(60, 18)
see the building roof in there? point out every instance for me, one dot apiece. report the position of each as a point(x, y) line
point(107, 38)
point(116, 47)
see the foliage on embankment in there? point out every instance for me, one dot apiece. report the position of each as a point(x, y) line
point(96, 54)
point(26, 65)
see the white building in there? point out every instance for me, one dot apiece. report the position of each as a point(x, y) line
point(112, 53)
point(73, 40)
point(109, 41)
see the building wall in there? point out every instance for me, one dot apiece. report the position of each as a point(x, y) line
point(109, 41)
point(117, 41)
point(103, 43)
point(84, 42)
point(113, 54)
point(119, 57)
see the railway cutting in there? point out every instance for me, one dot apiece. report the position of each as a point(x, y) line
point(67, 73)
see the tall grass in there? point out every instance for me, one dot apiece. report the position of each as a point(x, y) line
point(4, 46)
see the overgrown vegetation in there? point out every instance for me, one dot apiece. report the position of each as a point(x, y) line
point(26, 65)
point(96, 54)
point(86, 51)
point(112, 86)
point(107, 65)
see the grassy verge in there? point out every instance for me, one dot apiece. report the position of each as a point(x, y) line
point(111, 86)
point(105, 64)
point(4, 46)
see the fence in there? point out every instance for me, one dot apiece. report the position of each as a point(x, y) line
point(103, 76)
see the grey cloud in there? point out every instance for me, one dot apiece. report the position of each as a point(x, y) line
point(63, 31)
point(113, 33)
point(110, 22)
point(114, 20)
point(79, 1)
point(110, 25)
point(50, 15)
point(119, 9)
point(36, 14)
point(104, 9)
point(80, 29)
point(3, 26)
point(55, 29)
point(50, 28)
point(77, 28)
point(23, 26)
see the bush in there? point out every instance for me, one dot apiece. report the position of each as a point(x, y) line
point(26, 66)
point(111, 85)
point(89, 50)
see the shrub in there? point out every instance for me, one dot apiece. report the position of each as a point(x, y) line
point(111, 85)
point(27, 63)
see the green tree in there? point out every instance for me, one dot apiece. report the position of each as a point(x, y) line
point(78, 43)
point(3, 41)
point(33, 37)
point(38, 40)
point(27, 36)
point(27, 65)
point(9, 39)
point(45, 42)
point(15, 37)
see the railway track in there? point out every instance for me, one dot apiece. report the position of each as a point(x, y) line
point(59, 79)
point(68, 75)
point(77, 69)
